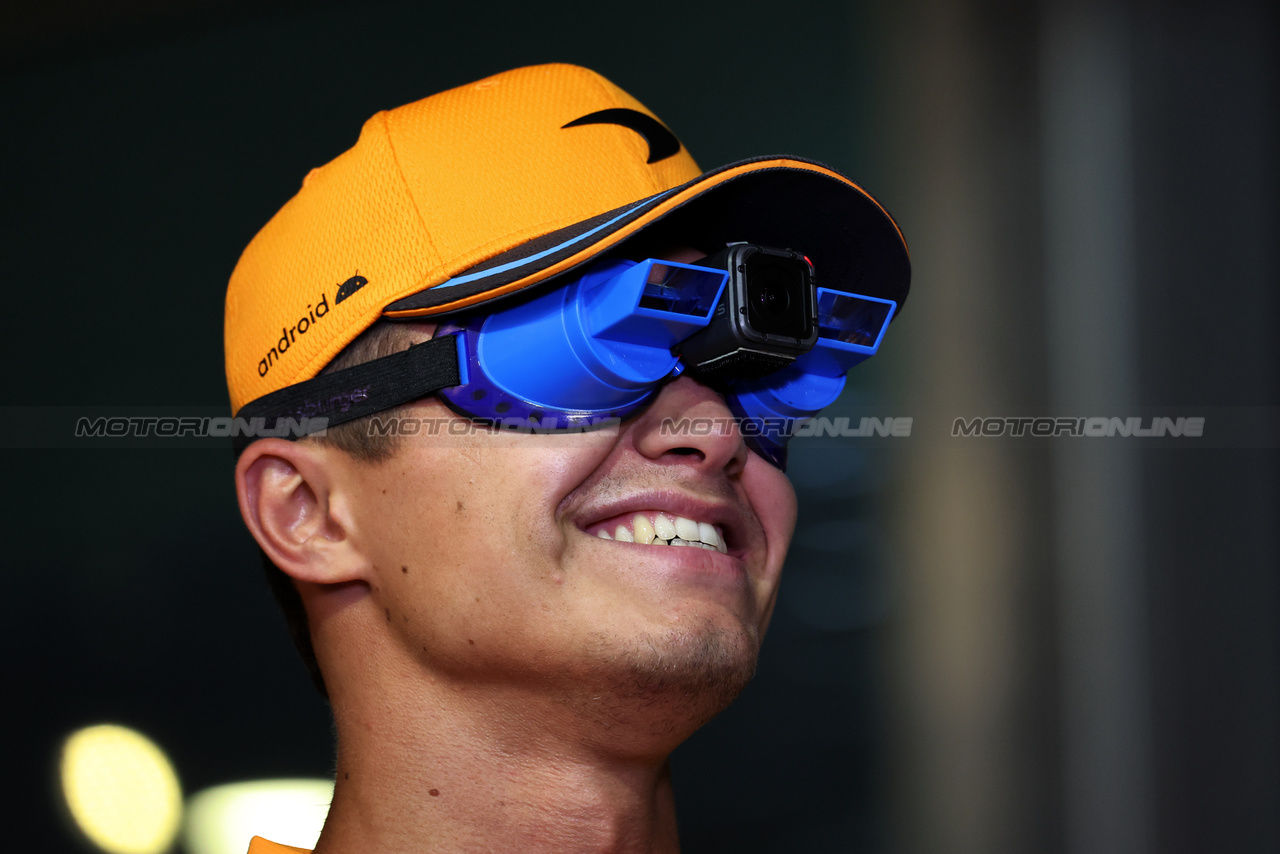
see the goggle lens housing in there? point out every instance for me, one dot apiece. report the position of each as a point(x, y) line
point(600, 347)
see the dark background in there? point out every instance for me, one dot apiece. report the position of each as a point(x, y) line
point(982, 645)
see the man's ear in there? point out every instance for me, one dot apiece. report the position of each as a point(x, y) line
point(287, 498)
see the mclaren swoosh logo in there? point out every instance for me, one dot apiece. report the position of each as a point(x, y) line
point(662, 142)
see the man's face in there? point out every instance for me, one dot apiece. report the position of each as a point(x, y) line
point(489, 565)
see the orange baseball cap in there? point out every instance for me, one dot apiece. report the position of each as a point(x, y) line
point(483, 191)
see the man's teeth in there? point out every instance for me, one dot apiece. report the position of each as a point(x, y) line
point(662, 531)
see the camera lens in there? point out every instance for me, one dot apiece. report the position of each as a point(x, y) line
point(775, 296)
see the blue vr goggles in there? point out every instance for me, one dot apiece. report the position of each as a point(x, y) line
point(748, 321)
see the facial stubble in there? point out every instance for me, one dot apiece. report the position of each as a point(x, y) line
point(670, 682)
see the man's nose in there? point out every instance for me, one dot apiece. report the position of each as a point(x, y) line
point(689, 424)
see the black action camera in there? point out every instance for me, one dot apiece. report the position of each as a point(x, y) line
point(766, 318)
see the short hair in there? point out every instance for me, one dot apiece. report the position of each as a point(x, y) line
point(354, 438)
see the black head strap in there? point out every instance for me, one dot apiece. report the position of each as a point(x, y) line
point(342, 396)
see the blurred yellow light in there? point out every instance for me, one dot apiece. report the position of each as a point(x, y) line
point(121, 789)
point(223, 819)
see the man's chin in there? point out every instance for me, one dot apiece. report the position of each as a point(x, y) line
point(670, 683)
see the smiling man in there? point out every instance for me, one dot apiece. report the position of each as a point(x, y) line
point(517, 564)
